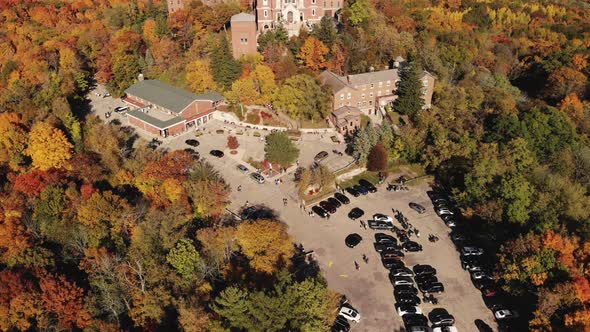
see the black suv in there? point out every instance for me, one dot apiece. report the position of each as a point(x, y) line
point(353, 191)
point(328, 207)
point(216, 153)
point(319, 211)
point(407, 299)
point(412, 246)
point(423, 269)
point(404, 290)
point(370, 187)
point(342, 198)
point(361, 189)
point(375, 224)
point(334, 202)
point(385, 238)
point(433, 287)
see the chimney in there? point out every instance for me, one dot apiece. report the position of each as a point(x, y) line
point(140, 77)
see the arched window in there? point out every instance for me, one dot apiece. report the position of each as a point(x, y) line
point(290, 17)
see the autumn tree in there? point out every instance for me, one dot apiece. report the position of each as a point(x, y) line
point(232, 142)
point(302, 97)
point(377, 160)
point(266, 243)
point(243, 91)
point(564, 81)
point(199, 77)
point(48, 147)
point(185, 259)
point(264, 83)
point(13, 138)
point(65, 300)
point(312, 54)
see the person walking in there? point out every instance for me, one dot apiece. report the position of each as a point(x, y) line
point(356, 265)
point(365, 259)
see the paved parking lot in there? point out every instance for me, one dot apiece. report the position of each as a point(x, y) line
point(368, 289)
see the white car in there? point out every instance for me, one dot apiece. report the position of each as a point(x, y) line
point(443, 210)
point(471, 251)
point(382, 217)
point(505, 314)
point(399, 281)
point(350, 314)
point(408, 310)
point(257, 177)
point(451, 328)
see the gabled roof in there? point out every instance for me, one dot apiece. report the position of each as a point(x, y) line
point(335, 82)
point(346, 111)
point(160, 124)
point(168, 96)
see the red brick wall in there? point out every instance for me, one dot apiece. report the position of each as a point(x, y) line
point(197, 107)
point(243, 38)
point(142, 125)
point(177, 129)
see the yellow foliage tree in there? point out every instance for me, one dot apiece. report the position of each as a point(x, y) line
point(267, 244)
point(13, 139)
point(573, 107)
point(264, 83)
point(199, 77)
point(243, 91)
point(48, 147)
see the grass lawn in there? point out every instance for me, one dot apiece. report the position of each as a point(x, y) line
point(311, 125)
point(372, 177)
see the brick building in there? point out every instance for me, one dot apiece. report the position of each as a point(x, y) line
point(370, 92)
point(346, 119)
point(293, 14)
point(243, 34)
point(164, 110)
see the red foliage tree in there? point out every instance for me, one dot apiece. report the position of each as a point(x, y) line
point(173, 165)
point(232, 142)
point(87, 189)
point(65, 300)
point(377, 160)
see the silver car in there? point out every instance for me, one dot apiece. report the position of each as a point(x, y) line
point(257, 177)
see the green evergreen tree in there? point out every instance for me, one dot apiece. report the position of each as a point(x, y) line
point(409, 100)
point(185, 259)
point(223, 65)
point(233, 305)
point(326, 31)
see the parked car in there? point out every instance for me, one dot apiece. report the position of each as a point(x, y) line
point(441, 317)
point(471, 251)
point(380, 247)
point(458, 237)
point(392, 253)
point(426, 279)
point(340, 325)
point(320, 156)
point(406, 309)
point(192, 152)
point(392, 263)
point(415, 319)
point(449, 328)
point(450, 222)
point(350, 314)
point(352, 240)
point(319, 211)
point(385, 238)
point(443, 210)
point(418, 328)
point(407, 299)
point(243, 168)
point(257, 177)
point(404, 290)
point(489, 291)
point(356, 213)
point(328, 207)
point(417, 207)
point(480, 275)
point(471, 263)
point(120, 109)
point(374, 224)
point(504, 314)
point(192, 142)
point(434, 287)
point(342, 198)
point(361, 189)
point(412, 246)
point(420, 269)
point(336, 203)
point(403, 272)
point(370, 187)
point(216, 153)
point(398, 281)
point(353, 191)
point(382, 217)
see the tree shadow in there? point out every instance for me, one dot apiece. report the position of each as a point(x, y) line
point(256, 212)
point(305, 265)
point(482, 326)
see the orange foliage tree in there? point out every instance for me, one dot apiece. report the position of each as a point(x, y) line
point(65, 300)
point(313, 53)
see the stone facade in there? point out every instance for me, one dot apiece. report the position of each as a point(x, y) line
point(243, 34)
point(370, 92)
point(294, 14)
